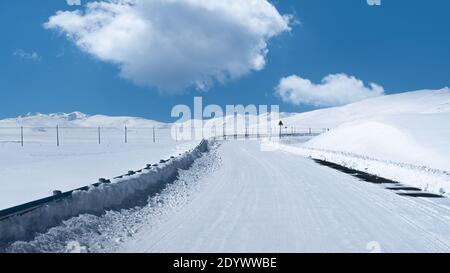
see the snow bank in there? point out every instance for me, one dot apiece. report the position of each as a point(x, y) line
point(417, 139)
point(125, 192)
point(427, 179)
point(106, 233)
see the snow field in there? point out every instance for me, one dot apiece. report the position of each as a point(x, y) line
point(123, 192)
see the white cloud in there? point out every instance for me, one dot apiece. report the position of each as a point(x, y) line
point(73, 2)
point(175, 44)
point(334, 90)
point(33, 56)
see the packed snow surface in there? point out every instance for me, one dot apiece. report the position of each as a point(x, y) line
point(281, 202)
point(242, 197)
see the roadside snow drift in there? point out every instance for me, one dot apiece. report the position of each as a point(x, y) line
point(418, 139)
point(125, 192)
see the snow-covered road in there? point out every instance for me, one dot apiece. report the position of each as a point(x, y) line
point(260, 201)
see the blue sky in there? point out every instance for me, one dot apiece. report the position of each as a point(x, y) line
point(400, 45)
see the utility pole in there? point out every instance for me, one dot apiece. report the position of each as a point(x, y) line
point(99, 136)
point(126, 134)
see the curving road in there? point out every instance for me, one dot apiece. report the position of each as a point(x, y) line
point(278, 202)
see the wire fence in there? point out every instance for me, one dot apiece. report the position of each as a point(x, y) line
point(59, 136)
point(82, 135)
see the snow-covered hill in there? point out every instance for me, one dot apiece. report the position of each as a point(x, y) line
point(78, 119)
point(417, 102)
point(403, 137)
point(412, 127)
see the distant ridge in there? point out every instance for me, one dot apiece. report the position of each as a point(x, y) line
point(79, 119)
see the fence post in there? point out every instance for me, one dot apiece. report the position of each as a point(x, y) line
point(126, 134)
point(154, 136)
point(224, 130)
point(57, 135)
point(99, 136)
point(21, 136)
point(176, 133)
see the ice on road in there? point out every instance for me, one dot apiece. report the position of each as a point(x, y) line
point(280, 202)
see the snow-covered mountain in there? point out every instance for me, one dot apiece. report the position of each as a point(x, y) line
point(78, 119)
point(416, 102)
